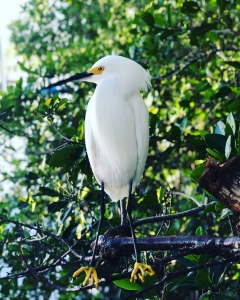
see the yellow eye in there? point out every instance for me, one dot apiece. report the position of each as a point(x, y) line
point(100, 68)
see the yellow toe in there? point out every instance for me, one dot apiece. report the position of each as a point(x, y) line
point(91, 274)
point(139, 271)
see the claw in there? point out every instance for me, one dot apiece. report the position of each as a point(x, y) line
point(138, 271)
point(90, 272)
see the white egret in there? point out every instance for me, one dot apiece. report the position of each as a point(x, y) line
point(117, 137)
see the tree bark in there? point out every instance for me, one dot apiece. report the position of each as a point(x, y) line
point(111, 249)
point(223, 181)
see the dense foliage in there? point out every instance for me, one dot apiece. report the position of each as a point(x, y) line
point(191, 49)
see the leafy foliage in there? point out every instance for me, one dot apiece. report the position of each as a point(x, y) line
point(191, 49)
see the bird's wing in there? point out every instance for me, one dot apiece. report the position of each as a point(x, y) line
point(90, 139)
point(142, 135)
point(111, 139)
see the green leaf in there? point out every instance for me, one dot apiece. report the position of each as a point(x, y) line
point(66, 212)
point(216, 142)
point(69, 131)
point(74, 174)
point(160, 194)
point(203, 85)
point(153, 118)
point(238, 148)
point(229, 295)
point(203, 133)
point(80, 129)
point(203, 259)
point(148, 18)
point(174, 133)
point(70, 232)
point(210, 208)
point(205, 296)
point(43, 108)
point(78, 280)
point(61, 157)
point(191, 257)
point(217, 273)
point(225, 213)
point(197, 173)
point(48, 102)
point(62, 103)
point(165, 154)
point(190, 7)
point(86, 169)
point(56, 206)
point(222, 5)
point(187, 261)
point(184, 123)
point(6, 102)
point(220, 128)
point(215, 154)
point(234, 106)
point(228, 21)
point(31, 176)
point(176, 283)
point(164, 35)
point(22, 205)
point(235, 90)
point(219, 206)
point(149, 281)
point(148, 200)
point(235, 64)
point(199, 231)
point(127, 285)
point(212, 36)
point(228, 147)
point(29, 71)
point(230, 120)
point(45, 191)
point(3, 124)
point(203, 279)
point(201, 30)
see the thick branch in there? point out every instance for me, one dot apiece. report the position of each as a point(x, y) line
point(111, 249)
point(223, 181)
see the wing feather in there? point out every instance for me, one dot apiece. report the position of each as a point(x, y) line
point(116, 135)
point(141, 117)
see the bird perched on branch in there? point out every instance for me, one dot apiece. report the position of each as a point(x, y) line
point(117, 138)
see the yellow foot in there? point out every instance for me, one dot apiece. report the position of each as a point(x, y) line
point(90, 272)
point(138, 271)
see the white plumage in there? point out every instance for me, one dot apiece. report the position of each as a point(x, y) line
point(116, 134)
point(116, 124)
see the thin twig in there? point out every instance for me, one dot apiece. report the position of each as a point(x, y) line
point(35, 240)
point(64, 137)
point(191, 61)
point(46, 233)
point(173, 216)
point(187, 196)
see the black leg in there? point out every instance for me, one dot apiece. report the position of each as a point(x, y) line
point(102, 211)
point(123, 211)
point(129, 210)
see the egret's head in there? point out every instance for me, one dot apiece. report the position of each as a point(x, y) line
point(124, 70)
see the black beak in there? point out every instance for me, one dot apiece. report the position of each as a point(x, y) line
point(72, 78)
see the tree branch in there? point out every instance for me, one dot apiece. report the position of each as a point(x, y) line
point(172, 216)
point(187, 196)
point(111, 249)
point(193, 60)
